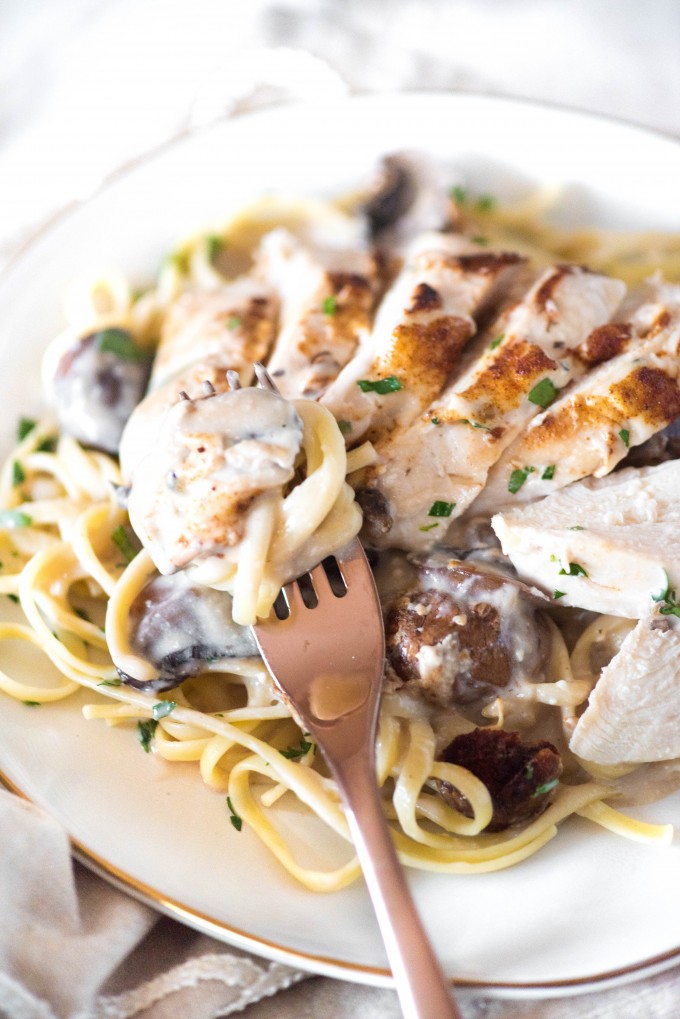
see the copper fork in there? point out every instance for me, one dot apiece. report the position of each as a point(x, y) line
point(327, 659)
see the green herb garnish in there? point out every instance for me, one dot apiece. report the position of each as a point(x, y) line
point(459, 194)
point(233, 322)
point(15, 518)
point(13, 598)
point(25, 426)
point(293, 753)
point(146, 731)
point(497, 342)
point(345, 427)
point(549, 473)
point(667, 596)
point(381, 386)
point(120, 343)
point(475, 424)
point(47, 445)
point(18, 473)
point(111, 682)
point(427, 527)
point(518, 477)
point(435, 421)
point(162, 709)
point(541, 790)
point(441, 509)
point(330, 305)
point(558, 594)
point(121, 538)
point(543, 393)
point(577, 527)
point(624, 435)
point(32, 704)
point(233, 816)
point(575, 570)
point(485, 203)
point(214, 246)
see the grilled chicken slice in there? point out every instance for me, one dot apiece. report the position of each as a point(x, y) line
point(328, 297)
point(601, 544)
point(619, 405)
point(214, 461)
point(421, 328)
point(235, 323)
point(633, 714)
point(429, 474)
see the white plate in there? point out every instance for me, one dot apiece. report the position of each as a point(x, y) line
point(590, 908)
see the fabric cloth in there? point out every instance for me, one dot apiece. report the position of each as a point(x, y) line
point(88, 85)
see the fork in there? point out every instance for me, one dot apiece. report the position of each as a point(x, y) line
point(327, 659)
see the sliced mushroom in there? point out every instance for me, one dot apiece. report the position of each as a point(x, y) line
point(462, 634)
point(521, 777)
point(97, 384)
point(179, 627)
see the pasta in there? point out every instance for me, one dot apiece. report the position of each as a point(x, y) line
point(74, 563)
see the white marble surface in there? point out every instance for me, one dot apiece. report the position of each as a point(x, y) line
point(87, 85)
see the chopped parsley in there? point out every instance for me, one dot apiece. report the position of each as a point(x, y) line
point(428, 527)
point(543, 393)
point(485, 203)
point(15, 518)
point(624, 435)
point(32, 704)
point(47, 445)
point(459, 194)
point(162, 709)
point(518, 477)
point(120, 343)
point(214, 245)
point(497, 342)
point(233, 816)
point(558, 594)
point(541, 790)
point(82, 614)
point(435, 421)
point(294, 753)
point(25, 426)
point(479, 239)
point(668, 598)
point(574, 570)
point(577, 527)
point(330, 305)
point(391, 384)
point(111, 682)
point(18, 473)
point(475, 424)
point(145, 731)
point(121, 539)
point(549, 473)
point(14, 598)
point(233, 322)
point(441, 509)
point(345, 426)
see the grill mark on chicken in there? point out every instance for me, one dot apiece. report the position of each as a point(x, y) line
point(424, 351)
point(544, 296)
point(649, 393)
point(505, 382)
point(604, 343)
point(484, 263)
point(425, 298)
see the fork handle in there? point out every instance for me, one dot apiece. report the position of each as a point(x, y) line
point(423, 990)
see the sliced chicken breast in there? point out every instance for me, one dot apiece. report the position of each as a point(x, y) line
point(619, 405)
point(429, 474)
point(235, 323)
point(633, 714)
point(328, 298)
point(421, 328)
point(608, 544)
